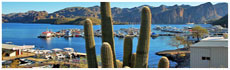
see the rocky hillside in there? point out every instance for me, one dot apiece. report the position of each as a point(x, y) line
point(29, 16)
point(74, 21)
point(222, 21)
point(177, 14)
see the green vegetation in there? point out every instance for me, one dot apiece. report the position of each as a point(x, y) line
point(107, 27)
point(144, 39)
point(128, 46)
point(133, 60)
point(163, 63)
point(199, 32)
point(120, 23)
point(177, 41)
point(90, 44)
point(73, 21)
point(107, 56)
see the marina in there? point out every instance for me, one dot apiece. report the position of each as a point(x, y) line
point(63, 40)
point(134, 32)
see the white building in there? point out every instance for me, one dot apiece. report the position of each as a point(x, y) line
point(211, 52)
point(14, 50)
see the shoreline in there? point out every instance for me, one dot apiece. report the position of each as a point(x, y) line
point(180, 56)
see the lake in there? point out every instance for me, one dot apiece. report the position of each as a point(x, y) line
point(26, 34)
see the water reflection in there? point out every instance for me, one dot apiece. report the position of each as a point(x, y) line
point(69, 40)
point(47, 40)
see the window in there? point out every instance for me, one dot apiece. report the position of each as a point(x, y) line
point(208, 58)
point(205, 58)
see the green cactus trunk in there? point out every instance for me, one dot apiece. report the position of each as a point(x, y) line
point(107, 27)
point(119, 64)
point(133, 60)
point(107, 56)
point(144, 39)
point(163, 63)
point(90, 44)
point(128, 46)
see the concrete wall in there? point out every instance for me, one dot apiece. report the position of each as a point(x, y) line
point(218, 57)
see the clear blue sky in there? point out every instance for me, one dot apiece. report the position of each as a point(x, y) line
point(15, 7)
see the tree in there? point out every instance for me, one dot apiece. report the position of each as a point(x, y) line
point(176, 41)
point(180, 40)
point(199, 32)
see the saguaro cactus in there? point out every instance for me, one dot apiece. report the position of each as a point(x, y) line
point(90, 44)
point(163, 63)
point(144, 39)
point(107, 27)
point(127, 51)
point(126, 67)
point(106, 56)
point(119, 64)
point(133, 60)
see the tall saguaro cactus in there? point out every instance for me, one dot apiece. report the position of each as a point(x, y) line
point(144, 39)
point(107, 27)
point(133, 60)
point(163, 63)
point(127, 51)
point(90, 44)
point(107, 56)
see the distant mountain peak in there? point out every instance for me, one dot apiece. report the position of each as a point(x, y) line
point(206, 4)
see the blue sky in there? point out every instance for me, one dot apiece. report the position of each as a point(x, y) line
point(15, 7)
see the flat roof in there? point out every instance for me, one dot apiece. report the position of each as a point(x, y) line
point(212, 42)
point(214, 39)
point(14, 47)
point(8, 46)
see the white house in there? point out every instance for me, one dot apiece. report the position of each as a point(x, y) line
point(211, 52)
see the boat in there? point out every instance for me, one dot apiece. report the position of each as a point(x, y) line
point(68, 33)
point(189, 23)
point(46, 34)
point(120, 35)
point(97, 33)
point(8, 42)
point(157, 27)
point(77, 34)
point(154, 35)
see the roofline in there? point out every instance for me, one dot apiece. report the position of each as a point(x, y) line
point(223, 40)
point(208, 47)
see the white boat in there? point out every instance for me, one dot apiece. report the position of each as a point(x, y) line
point(189, 23)
point(46, 34)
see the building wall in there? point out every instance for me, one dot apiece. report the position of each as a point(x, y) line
point(196, 58)
point(13, 54)
point(218, 57)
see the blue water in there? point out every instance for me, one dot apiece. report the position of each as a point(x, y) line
point(26, 34)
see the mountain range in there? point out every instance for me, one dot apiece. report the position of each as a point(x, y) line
point(177, 14)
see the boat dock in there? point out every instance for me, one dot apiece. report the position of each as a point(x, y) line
point(121, 33)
